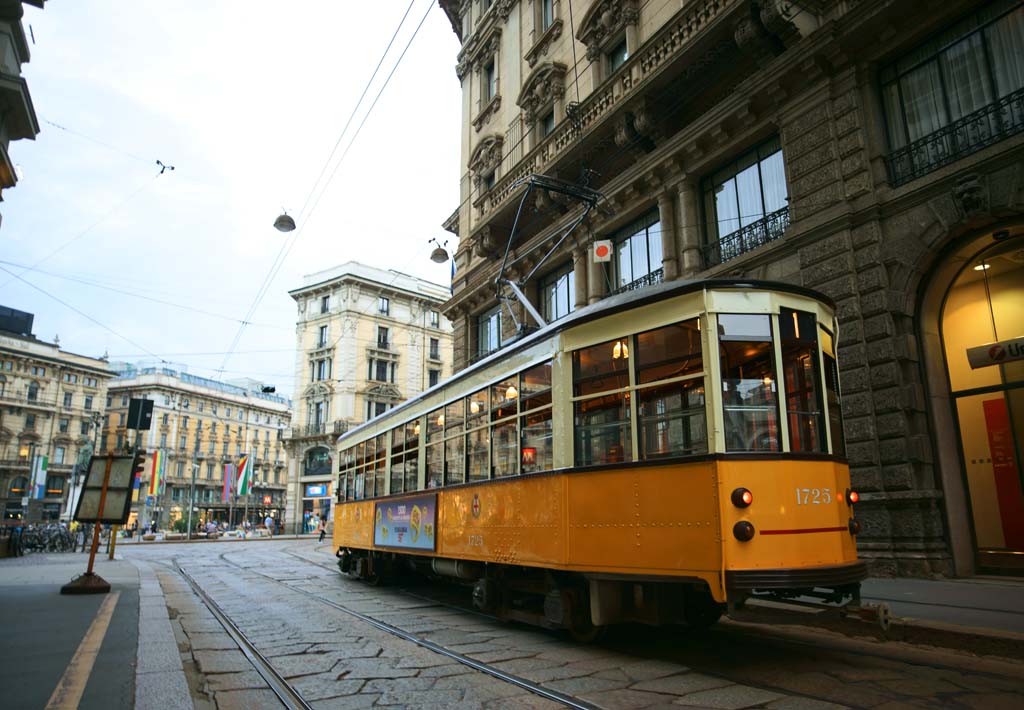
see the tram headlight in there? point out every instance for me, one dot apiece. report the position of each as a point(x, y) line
point(852, 496)
point(743, 530)
point(741, 497)
point(854, 526)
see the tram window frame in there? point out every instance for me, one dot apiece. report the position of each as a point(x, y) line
point(751, 343)
point(454, 442)
point(435, 448)
point(536, 435)
point(504, 434)
point(477, 436)
point(589, 389)
point(800, 361)
point(833, 393)
point(682, 430)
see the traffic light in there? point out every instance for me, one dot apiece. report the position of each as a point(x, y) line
point(138, 464)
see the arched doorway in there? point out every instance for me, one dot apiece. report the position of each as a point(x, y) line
point(977, 394)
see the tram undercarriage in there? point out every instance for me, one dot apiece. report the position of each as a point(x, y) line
point(582, 604)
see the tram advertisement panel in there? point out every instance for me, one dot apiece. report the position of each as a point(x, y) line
point(408, 523)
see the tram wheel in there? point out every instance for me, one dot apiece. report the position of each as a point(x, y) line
point(701, 610)
point(586, 631)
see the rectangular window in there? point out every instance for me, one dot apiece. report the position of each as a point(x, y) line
point(325, 304)
point(746, 203)
point(62, 425)
point(617, 56)
point(488, 331)
point(957, 93)
point(835, 418)
point(547, 14)
point(433, 376)
point(87, 405)
point(323, 369)
point(209, 471)
point(384, 306)
point(801, 375)
point(83, 428)
point(165, 419)
point(601, 403)
point(58, 455)
point(163, 441)
point(558, 294)
point(749, 392)
point(638, 257)
point(67, 399)
point(435, 319)
point(382, 337)
point(321, 341)
point(489, 86)
point(435, 349)
point(547, 124)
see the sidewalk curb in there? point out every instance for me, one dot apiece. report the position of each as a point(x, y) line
point(917, 632)
point(160, 681)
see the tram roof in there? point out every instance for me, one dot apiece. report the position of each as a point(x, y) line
point(605, 307)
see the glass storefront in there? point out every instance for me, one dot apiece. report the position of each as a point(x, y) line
point(316, 505)
point(983, 308)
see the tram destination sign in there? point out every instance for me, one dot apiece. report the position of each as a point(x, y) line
point(996, 353)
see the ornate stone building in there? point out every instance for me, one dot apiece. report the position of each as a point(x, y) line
point(366, 340)
point(873, 150)
point(199, 426)
point(51, 408)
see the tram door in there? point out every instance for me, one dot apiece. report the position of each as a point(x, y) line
point(983, 306)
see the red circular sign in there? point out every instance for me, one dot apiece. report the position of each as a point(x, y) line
point(602, 250)
point(997, 352)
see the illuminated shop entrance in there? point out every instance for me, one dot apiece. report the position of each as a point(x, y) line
point(982, 328)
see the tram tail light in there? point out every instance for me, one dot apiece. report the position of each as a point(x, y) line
point(852, 496)
point(854, 526)
point(741, 497)
point(743, 530)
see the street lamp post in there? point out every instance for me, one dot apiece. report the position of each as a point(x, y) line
point(191, 498)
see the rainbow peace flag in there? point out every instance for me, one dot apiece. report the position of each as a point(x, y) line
point(229, 472)
point(245, 475)
point(156, 473)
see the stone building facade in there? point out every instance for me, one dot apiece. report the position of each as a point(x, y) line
point(872, 150)
point(51, 409)
point(367, 339)
point(200, 426)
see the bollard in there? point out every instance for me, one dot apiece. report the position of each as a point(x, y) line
point(112, 544)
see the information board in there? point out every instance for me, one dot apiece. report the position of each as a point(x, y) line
point(407, 523)
point(119, 491)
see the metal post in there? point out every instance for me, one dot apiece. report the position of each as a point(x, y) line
point(191, 499)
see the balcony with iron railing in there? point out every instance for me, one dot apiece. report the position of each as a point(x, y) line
point(654, 277)
point(322, 429)
point(765, 230)
point(993, 123)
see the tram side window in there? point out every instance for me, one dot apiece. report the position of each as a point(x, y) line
point(670, 398)
point(504, 436)
point(601, 403)
point(535, 423)
point(435, 448)
point(798, 333)
point(832, 395)
point(346, 477)
point(478, 436)
point(359, 486)
point(380, 465)
point(454, 443)
point(749, 391)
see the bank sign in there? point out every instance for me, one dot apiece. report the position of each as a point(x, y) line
point(996, 353)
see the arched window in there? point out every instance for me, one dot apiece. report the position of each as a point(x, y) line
point(19, 487)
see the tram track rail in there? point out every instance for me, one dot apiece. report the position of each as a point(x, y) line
point(286, 693)
point(289, 695)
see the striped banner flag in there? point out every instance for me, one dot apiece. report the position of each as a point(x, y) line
point(156, 473)
point(40, 464)
point(245, 475)
point(229, 473)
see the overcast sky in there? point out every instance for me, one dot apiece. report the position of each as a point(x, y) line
point(247, 105)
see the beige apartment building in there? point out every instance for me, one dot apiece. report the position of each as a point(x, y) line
point(51, 409)
point(871, 150)
point(201, 427)
point(366, 340)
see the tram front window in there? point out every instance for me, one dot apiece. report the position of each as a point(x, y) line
point(749, 391)
point(802, 379)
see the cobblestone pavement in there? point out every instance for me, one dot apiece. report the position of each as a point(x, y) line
point(337, 661)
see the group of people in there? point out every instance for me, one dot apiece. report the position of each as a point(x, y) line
point(314, 523)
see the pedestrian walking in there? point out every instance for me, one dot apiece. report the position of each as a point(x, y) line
point(269, 523)
point(322, 529)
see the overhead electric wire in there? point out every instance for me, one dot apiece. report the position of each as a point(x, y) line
point(78, 134)
point(287, 247)
point(81, 313)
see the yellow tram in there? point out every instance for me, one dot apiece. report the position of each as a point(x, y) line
point(651, 457)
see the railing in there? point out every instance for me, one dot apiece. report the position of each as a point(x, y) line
point(338, 427)
point(654, 277)
point(765, 230)
point(987, 126)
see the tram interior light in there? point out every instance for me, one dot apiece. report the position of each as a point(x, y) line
point(474, 407)
point(620, 350)
point(440, 420)
point(511, 392)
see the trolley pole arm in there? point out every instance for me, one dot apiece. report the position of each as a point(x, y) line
point(534, 313)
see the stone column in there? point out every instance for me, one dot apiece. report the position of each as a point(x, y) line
point(669, 260)
point(689, 228)
point(580, 257)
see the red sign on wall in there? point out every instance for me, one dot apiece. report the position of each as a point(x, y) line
point(266, 500)
point(1004, 471)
